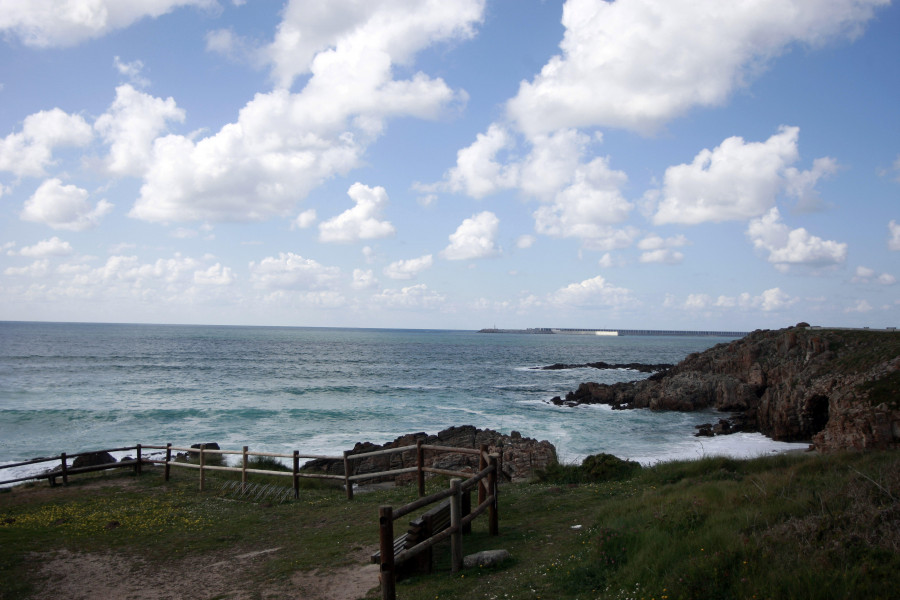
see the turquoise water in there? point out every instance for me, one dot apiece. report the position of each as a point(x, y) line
point(75, 387)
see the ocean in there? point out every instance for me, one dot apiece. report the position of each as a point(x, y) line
point(72, 387)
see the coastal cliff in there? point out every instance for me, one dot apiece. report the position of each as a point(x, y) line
point(839, 389)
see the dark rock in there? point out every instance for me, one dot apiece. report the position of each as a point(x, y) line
point(837, 388)
point(485, 558)
point(520, 456)
point(93, 459)
point(643, 368)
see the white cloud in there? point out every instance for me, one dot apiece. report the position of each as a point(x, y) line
point(38, 268)
point(408, 269)
point(595, 292)
point(130, 126)
point(861, 306)
point(640, 63)
point(412, 297)
point(736, 181)
point(395, 28)
point(131, 70)
point(793, 246)
point(894, 239)
point(525, 241)
point(214, 275)
point(770, 300)
point(867, 275)
point(285, 144)
point(360, 222)
point(289, 271)
point(63, 207)
point(60, 23)
point(801, 184)
point(305, 219)
point(477, 172)
point(659, 250)
point(52, 247)
point(364, 279)
point(474, 238)
point(28, 153)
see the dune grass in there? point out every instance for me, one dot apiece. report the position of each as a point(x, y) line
point(786, 526)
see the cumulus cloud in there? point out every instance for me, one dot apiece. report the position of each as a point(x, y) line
point(62, 23)
point(215, 275)
point(63, 207)
point(289, 271)
point(631, 64)
point(737, 180)
point(793, 246)
point(861, 306)
point(525, 241)
point(130, 126)
point(308, 31)
point(131, 70)
point(304, 219)
point(659, 250)
point(595, 292)
point(894, 238)
point(412, 297)
point(867, 275)
point(478, 173)
point(362, 221)
point(474, 238)
point(45, 248)
point(285, 144)
point(770, 300)
point(364, 279)
point(408, 269)
point(29, 152)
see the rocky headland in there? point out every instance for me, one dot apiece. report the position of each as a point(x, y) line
point(520, 456)
point(837, 388)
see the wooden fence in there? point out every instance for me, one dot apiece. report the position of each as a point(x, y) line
point(486, 479)
point(65, 470)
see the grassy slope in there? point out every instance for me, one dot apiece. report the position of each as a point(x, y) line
point(789, 526)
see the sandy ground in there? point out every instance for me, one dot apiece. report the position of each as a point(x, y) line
point(104, 575)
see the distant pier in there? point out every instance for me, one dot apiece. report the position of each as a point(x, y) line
point(617, 332)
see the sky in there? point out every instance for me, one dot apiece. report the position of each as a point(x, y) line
point(664, 164)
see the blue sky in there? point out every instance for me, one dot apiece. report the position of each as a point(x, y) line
point(677, 164)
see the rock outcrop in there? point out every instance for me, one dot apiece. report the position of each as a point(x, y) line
point(837, 388)
point(520, 456)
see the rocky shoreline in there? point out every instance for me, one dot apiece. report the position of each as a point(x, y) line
point(641, 367)
point(838, 389)
point(520, 457)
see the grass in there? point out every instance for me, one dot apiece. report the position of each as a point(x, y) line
point(786, 526)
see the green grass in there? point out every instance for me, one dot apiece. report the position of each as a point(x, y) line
point(786, 526)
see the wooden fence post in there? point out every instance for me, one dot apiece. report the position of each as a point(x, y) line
point(482, 465)
point(137, 465)
point(65, 468)
point(347, 483)
point(296, 474)
point(493, 479)
point(168, 460)
point(456, 551)
point(202, 463)
point(244, 462)
point(420, 465)
point(386, 543)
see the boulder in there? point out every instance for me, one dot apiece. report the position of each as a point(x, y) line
point(93, 459)
point(520, 456)
point(485, 558)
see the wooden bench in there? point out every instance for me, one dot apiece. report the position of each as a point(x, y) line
point(434, 521)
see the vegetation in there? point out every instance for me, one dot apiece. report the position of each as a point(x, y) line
point(785, 526)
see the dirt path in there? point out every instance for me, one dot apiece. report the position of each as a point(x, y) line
point(91, 576)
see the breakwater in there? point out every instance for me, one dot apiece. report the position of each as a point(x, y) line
point(617, 332)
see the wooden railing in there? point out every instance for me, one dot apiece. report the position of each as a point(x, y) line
point(65, 470)
point(486, 479)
